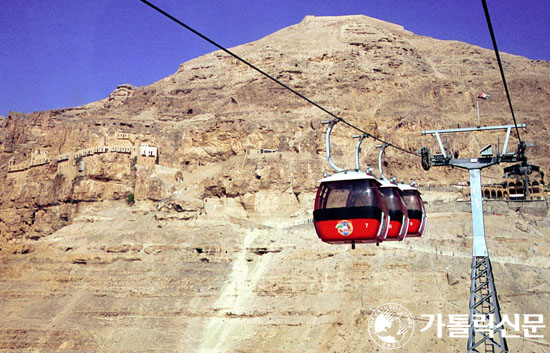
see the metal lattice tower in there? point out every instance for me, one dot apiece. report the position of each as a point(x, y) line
point(484, 306)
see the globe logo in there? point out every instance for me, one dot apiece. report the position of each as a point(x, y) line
point(391, 326)
point(344, 227)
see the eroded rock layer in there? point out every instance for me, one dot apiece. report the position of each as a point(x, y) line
point(175, 217)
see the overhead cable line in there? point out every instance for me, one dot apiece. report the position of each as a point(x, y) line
point(339, 119)
point(486, 9)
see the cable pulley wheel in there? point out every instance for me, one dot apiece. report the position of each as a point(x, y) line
point(426, 158)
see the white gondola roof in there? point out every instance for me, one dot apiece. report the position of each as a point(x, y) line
point(407, 187)
point(388, 184)
point(348, 175)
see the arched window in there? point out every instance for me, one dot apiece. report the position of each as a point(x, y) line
point(519, 188)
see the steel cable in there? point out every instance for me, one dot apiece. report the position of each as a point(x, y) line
point(486, 10)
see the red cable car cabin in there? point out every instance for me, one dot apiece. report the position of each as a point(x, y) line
point(399, 218)
point(349, 208)
point(415, 207)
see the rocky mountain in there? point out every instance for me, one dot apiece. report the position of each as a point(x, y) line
point(222, 164)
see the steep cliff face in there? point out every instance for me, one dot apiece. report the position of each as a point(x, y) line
point(223, 165)
point(150, 279)
point(376, 75)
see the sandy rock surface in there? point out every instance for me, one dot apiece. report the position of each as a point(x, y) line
point(210, 248)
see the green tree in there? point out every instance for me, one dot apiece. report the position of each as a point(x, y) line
point(131, 200)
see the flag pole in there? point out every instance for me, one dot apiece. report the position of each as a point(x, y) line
point(483, 96)
point(477, 106)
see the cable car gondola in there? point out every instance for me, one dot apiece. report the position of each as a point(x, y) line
point(416, 210)
point(410, 198)
point(350, 208)
point(399, 217)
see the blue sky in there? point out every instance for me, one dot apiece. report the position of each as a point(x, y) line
point(66, 53)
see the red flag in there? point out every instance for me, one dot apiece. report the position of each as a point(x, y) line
point(483, 95)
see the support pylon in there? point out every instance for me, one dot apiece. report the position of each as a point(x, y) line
point(484, 308)
point(486, 333)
